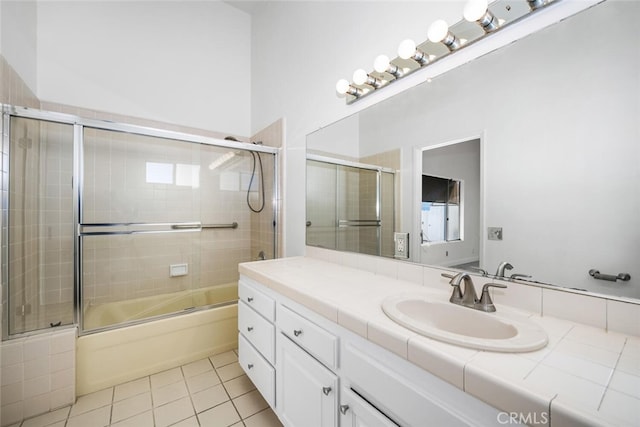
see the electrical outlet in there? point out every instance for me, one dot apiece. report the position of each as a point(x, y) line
point(494, 233)
point(401, 245)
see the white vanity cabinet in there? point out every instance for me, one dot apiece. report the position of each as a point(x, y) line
point(256, 339)
point(326, 376)
point(307, 391)
point(357, 412)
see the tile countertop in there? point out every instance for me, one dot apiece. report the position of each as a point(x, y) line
point(585, 375)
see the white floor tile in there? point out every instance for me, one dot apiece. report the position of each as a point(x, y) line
point(48, 418)
point(202, 381)
point(132, 388)
point(197, 368)
point(229, 372)
point(169, 393)
point(221, 416)
point(97, 418)
point(239, 386)
point(141, 420)
point(250, 403)
point(209, 398)
point(165, 378)
point(173, 412)
point(92, 401)
point(223, 359)
point(132, 406)
point(189, 422)
point(264, 418)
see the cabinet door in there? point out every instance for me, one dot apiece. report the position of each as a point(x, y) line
point(307, 391)
point(356, 412)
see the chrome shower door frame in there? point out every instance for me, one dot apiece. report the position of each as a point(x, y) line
point(79, 124)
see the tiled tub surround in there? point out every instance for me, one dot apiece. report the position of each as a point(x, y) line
point(38, 374)
point(585, 376)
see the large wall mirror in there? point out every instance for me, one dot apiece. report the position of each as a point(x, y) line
point(533, 152)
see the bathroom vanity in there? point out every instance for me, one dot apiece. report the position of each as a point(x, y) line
point(316, 343)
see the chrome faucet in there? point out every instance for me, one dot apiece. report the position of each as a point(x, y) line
point(504, 265)
point(468, 297)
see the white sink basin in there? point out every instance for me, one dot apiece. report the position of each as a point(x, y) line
point(437, 318)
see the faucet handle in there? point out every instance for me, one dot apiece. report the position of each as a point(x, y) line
point(482, 271)
point(486, 303)
point(456, 296)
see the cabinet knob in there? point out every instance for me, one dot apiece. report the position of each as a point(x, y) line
point(326, 390)
point(344, 409)
point(250, 365)
point(249, 328)
point(297, 332)
point(249, 299)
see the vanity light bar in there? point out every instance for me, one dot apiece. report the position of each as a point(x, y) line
point(439, 33)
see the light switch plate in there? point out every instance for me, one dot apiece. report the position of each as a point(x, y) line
point(401, 245)
point(494, 233)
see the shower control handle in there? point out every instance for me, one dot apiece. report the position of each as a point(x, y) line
point(250, 366)
point(297, 332)
point(249, 299)
point(249, 328)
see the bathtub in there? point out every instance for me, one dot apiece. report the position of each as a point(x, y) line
point(112, 357)
point(113, 313)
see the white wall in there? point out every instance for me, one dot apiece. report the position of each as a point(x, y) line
point(300, 50)
point(180, 62)
point(18, 29)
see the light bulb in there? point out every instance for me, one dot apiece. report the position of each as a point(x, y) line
point(342, 87)
point(475, 9)
point(360, 76)
point(381, 64)
point(407, 49)
point(438, 31)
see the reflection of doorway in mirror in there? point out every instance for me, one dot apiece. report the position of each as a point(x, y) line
point(448, 204)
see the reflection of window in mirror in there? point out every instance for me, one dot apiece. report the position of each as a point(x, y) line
point(441, 209)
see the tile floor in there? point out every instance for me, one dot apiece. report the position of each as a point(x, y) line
point(212, 392)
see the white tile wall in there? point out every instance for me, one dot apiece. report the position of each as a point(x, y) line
point(38, 374)
point(575, 307)
point(609, 315)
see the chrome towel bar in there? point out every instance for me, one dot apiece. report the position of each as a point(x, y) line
point(105, 229)
point(625, 277)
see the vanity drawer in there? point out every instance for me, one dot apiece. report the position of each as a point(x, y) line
point(258, 369)
point(261, 303)
point(317, 341)
point(257, 330)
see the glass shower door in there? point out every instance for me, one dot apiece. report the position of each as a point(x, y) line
point(358, 210)
point(321, 204)
point(165, 222)
point(39, 267)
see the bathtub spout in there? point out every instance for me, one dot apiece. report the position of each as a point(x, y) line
point(261, 256)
